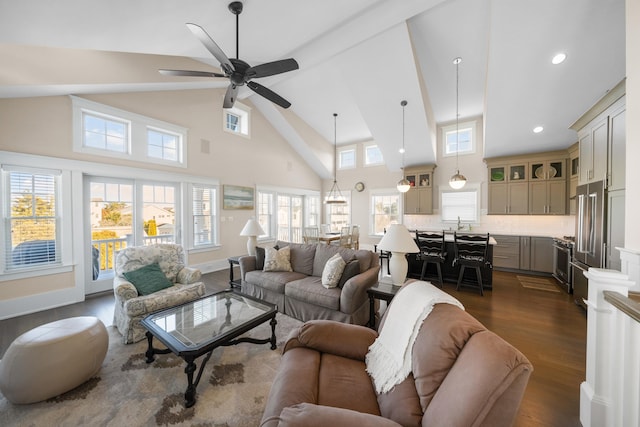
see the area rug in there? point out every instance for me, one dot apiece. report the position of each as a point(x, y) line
point(129, 392)
point(538, 283)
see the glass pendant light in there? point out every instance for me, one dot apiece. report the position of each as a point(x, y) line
point(403, 185)
point(335, 195)
point(457, 181)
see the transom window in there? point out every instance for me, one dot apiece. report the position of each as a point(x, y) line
point(237, 119)
point(347, 158)
point(105, 133)
point(372, 155)
point(465, 141)
point(163, 145)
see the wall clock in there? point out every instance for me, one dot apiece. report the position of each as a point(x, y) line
point(359, 186)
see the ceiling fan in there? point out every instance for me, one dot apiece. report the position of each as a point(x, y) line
point(236, 70)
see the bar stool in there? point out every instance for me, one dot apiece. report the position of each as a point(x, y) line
point(471, 251)
point(432, 250)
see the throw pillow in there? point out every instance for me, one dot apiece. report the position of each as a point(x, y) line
point(333, 271)
point(351, 269)
point(277, 259)
point(260, 257)
point(148, 279)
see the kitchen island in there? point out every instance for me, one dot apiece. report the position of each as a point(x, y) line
point(449, 272)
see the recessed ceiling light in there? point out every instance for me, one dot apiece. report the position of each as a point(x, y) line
point(559, 58)
point(401, 150)
point(538, 129)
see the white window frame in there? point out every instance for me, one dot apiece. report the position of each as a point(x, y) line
point(243, 112)
point(374, 194)
point(214, 238)
point(347, 149)
point(473, 218)
point(462, 126)
point(272, 217)
point(63, 216)
point(270, 225)
point(366, 155)
point(137, 133)
point(163, 148)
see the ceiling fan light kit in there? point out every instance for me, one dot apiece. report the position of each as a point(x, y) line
point(457, 181)
point(236, 70)
point(403, 185)
point(335, 197)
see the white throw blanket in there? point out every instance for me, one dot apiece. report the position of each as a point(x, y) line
point(389, 358)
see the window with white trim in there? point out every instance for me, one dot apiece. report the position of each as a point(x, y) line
point(385, 210)
point(465, 143)
point(347, 158)
point(102, 130)
point(265, 209)
point(32, 220)
point(237, 119)
point(461, 204)
point(282, 213)
point(204, 202)
point(312, 217)
point(372, 155)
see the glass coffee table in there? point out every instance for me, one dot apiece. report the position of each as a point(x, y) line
point(198, 327)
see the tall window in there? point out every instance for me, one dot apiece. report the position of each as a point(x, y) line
point(290, 218)
point(32, 220)
point(465, 142)
point(312, 211)
point(385, 209)
point(462, 204)
point(203, 199)
point(339, 215)
point(265, 213)
point(372, 155)
point(159, 213)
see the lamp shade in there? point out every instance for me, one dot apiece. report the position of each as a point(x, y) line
point(398, 239)
point(252, 228)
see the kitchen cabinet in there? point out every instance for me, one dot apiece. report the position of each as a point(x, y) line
point(525, 253)
point(574, 168)
point(541, 254)
point(601, 140)
point(419, 198)
point(506, 252)
point(533, 184)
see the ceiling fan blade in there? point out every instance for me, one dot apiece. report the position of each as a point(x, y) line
point(269, 94)
point(272, 68)
point(212, 47)
point(189, 73)
point(230, 96)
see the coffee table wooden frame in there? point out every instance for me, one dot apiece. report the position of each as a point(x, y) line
point(227, 338)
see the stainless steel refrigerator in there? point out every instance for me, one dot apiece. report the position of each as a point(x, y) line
point(591, 223)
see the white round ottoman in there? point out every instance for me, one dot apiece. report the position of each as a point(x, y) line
point(52, 359)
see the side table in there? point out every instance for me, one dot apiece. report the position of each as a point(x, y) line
point(383, 291)
point(234, 260)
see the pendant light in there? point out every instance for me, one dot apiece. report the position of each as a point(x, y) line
point(335, 196)
point(403, 185)
point(457, 181)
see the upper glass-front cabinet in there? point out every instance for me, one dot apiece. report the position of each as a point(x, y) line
point(511, 173)
point(551, 170)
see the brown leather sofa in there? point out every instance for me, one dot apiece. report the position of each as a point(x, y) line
point(463, 375)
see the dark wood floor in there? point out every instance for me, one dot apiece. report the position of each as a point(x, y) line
point(547, 327)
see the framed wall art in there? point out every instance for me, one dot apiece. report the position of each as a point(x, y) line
point(237, 197)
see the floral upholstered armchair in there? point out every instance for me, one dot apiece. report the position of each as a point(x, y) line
point(148, 279)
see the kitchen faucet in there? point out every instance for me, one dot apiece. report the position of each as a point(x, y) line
point(460, 226)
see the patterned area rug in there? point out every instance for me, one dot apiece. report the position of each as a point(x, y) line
point(538, 283)
point(129, 392)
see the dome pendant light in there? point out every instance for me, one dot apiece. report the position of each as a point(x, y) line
point(403, 185)
point(457, 181)
point(335, 196)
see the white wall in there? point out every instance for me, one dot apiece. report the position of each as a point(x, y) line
point(632, 195)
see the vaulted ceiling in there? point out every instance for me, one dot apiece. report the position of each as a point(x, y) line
point(358, 58)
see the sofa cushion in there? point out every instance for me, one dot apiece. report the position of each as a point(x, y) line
point(302, 257)
point(260, 252)
point(333, 271)
point(277, 259)
point(273, 280)
point(323, 254)
point(310, 290)
point(351, 269)
point(148, 279)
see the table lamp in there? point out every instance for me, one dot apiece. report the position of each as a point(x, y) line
point(252, 230)
point(399, 242)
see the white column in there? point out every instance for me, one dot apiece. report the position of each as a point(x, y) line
point(596, 392)
point(630, 260)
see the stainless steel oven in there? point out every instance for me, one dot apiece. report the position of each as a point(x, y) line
point(562, 254)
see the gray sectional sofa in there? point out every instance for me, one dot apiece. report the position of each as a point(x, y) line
point(300, 293)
